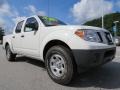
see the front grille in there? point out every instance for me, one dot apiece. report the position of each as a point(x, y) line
point(108, 38)
point(105, 37)
point(100, 37)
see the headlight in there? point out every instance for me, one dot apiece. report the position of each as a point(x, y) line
point(88, 35)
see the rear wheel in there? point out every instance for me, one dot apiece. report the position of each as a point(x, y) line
point(10, 56)
point(60, 65)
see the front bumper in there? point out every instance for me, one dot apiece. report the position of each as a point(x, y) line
point(85, 59)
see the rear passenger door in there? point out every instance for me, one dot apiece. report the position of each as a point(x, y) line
point(30, 37)
point(16, 38)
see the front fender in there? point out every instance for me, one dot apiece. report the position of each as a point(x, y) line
point(63, 36)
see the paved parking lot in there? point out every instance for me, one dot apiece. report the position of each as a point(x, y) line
point(29, 74)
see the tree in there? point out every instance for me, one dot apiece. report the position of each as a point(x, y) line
point(108, 22)
point(1, 33)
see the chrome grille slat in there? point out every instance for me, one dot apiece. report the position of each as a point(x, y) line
point(105, 37)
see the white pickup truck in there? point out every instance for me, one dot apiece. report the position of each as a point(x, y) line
point(65, 49)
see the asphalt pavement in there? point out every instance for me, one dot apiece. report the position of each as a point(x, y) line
point(30, 74)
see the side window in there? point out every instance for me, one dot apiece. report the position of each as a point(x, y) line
point(19, 27)
point(31, 25)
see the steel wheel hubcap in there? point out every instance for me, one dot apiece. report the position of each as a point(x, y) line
point(57, 65)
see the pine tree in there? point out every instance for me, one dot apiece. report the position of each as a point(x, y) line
point(1, 33)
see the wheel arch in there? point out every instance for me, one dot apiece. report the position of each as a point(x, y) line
point(6, 44)
point(54, 43)
point(10, 45)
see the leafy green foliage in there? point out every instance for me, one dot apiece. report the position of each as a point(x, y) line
point(1, 33)
point(108, 22)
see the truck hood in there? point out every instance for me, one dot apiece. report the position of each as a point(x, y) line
point(75, 27)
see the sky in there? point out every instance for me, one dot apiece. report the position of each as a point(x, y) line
point(69, 11)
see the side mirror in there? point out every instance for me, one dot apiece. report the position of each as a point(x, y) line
point(36, 29)
point(34, 26)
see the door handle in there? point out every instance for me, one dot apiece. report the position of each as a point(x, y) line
point(22, 36)
point(13, 36)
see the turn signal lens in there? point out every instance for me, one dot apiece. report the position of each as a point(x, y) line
point(80, 33)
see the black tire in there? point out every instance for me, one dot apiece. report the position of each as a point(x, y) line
point(9, 55)
point(69, 68)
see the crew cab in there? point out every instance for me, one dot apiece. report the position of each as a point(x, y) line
point(65, 49)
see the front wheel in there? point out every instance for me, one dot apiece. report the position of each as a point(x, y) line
point(60, 65)
point(10, 56)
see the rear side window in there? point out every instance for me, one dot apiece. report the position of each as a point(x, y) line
point(19, 27)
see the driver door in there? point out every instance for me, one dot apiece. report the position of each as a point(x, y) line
point(30, 37)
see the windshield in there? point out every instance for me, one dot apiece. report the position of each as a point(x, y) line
point(48, 21)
